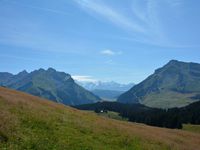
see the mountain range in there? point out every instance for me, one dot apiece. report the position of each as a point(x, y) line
point(110, 85)
point(50, 84)
point(108, 91)
point(174, 85)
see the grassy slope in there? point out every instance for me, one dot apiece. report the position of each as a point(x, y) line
point(112, 115)
point(29, 122)
point(191, 128)
point(167, 99)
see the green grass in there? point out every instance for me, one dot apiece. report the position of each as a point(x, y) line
point(167, 99)
point(29, 122)
point(192, 128)
point(112, 115)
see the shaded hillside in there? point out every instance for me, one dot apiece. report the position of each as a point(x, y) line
point(29, 122)
point(174, 85)
point(50, 84)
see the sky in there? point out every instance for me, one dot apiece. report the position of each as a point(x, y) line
point(107, 40)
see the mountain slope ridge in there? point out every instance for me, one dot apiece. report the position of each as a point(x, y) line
point(172, 85)
point(50, 84)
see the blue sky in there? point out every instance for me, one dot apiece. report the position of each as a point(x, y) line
point(120, 40)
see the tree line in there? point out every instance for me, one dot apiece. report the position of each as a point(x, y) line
point(169, 118)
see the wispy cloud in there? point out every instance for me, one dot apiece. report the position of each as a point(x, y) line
point(110, 14)
point(83, 78)
point(174, 3)
point(35, 40)
point(109, 52)
point(51, 10)
point(144, 23)
point(28, 33)
point(31, 35)
point(48, 10)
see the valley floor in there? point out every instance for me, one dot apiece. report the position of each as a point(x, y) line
point(192, 128)
point(29, 122)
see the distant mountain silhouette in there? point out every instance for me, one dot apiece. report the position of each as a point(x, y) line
point(174, 85)
point(50, 84)
point(111, 86)
point(108, 95)
point(109, 91)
